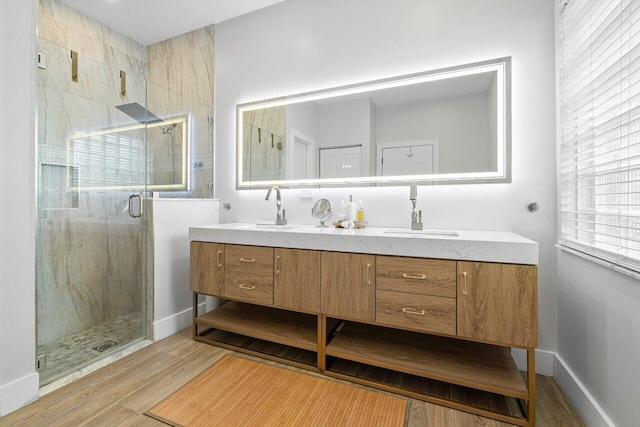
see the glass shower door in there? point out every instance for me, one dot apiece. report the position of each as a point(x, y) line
point(91, 231)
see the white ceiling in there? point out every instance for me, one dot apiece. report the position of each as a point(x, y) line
point(150, 21)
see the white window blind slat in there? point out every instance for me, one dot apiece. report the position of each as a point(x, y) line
point(600, 128)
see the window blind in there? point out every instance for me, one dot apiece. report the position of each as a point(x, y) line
point(600, 129)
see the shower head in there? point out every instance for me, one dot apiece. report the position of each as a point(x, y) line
point(168, 129)
point(138, 113)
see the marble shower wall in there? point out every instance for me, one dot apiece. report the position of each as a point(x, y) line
point(264, 144)
point(89, 252)
point(179, 72)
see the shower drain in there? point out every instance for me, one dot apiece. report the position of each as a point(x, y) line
point(104, 346)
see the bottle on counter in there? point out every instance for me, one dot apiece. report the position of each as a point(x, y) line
point(360, 212)
point(342, 213)
point(351, 210)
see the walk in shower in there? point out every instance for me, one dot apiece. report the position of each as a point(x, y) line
point(119, 125)
point(91, 248)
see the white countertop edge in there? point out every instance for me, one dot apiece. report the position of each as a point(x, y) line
point(470, 245)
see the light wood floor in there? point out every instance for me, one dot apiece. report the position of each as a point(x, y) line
point(120, 393)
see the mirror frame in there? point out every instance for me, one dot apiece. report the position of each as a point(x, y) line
point(501, 65)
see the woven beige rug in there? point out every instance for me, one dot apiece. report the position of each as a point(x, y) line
point(240, 392)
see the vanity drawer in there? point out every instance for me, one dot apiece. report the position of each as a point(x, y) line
point(418, 276)
point(249, 259)
point(420, 312)
point(249, 288)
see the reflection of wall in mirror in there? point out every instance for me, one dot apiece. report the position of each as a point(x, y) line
point(492, 124)
point(461, 123)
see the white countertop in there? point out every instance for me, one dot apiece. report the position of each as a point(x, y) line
point(466, 245)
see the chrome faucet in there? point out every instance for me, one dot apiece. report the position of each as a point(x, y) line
point(280, 219)
point(416, 215)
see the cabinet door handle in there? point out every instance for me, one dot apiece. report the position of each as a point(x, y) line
point(368, 270)
point(248, 288)
point(464, 280)
point(277, 269)
point(412, 311)
point(410, 276)
point(247, 260)
point(219, 264)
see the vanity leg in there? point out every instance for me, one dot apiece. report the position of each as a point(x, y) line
point(531, 385)
point(195, 314)
point(322, 342)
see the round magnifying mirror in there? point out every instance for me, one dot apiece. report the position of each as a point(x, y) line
point(322, 211)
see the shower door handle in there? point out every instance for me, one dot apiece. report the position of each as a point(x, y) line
point(131, 213)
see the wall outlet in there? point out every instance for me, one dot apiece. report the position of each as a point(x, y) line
point(306, 194)
point(41, 362)
point(42, 60)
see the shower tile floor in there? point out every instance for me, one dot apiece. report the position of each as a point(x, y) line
point(76, 351)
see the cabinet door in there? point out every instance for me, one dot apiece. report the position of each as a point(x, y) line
point(207, 268)
point(498, 303)
point(297, 279)
point(348, 285)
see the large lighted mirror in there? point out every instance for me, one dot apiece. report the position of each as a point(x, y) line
point(114, 158)
point(442, 126)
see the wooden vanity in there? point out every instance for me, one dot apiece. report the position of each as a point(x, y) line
point(435, 329)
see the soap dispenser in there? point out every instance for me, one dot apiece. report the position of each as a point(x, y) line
point(360, 212)
point(351, 209)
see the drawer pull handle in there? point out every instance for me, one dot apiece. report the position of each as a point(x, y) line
point(248, 288)
point(410, 276)
point(464, 279)
point(368, 278)
point(277, 269)
point(412, 311)
point(219, 264)
point(247, 260)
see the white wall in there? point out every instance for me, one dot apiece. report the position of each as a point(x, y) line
point(172, 297)
point(598, 333)
point(310, 45)
point(599, 338)
point(18, 379)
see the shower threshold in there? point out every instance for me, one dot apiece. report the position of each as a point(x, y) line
point(75, 353)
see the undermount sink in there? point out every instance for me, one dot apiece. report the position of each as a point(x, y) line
point(274, 226)
point(262, 226)
point(424, 232)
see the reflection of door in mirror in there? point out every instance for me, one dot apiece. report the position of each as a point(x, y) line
point(408, 158)
point(300, 170)
point(300, 152)
point(340, 162)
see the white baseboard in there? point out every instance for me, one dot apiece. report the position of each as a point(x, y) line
point(544, 360)
point(551, 364)
point(586, 405)
point(177, 322)
point(18, 393)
